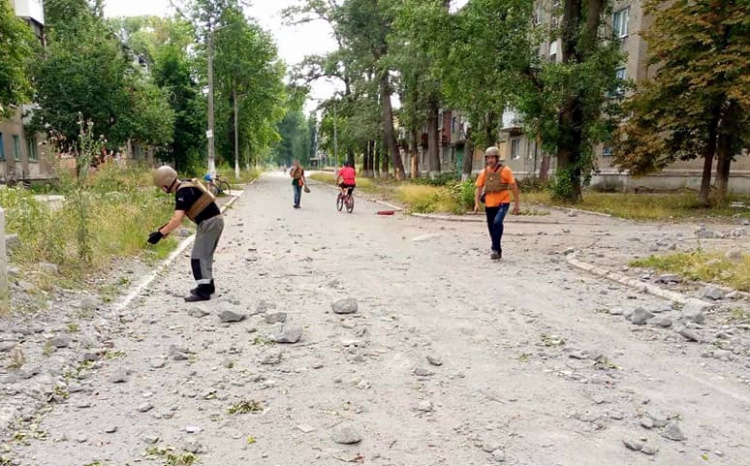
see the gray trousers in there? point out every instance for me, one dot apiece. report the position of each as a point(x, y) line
point(206, 239)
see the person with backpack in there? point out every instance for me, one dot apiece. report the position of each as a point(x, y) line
point(194, 201)
point(298, 182)
point(494, 185)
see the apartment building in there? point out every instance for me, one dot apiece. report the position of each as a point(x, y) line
point(23, 155)
point(627, 22)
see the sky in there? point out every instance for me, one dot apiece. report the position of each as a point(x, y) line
point(294, 42)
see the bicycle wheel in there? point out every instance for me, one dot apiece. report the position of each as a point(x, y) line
point(340, 202)
point(214, 189)
point(350, 204)
point(224, 187)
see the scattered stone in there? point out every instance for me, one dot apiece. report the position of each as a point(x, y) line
point(289, 334)
point(647, 423)
point(197, 312)
point(694, 311)
point(616, 311)
point(617, 415)
point(664, 322)
point(568, 251)
point(228, 316)
point(317, 365)
point(305, 428)
point(705, 233)
point(640, 316)
point(669, 279)
point(272, 358)
point(276, 318)
point(632, 444)
point(659, 420)
point(734, 255)
point(151, 439)
point(110, 429)
point(346, 435)
point(192, 429)
point(145, 407)
point(713, 293)
point(51, 269)
point(673, 432)
point(434, 360)
point(689, 335)
point(119, 377)
point(650, 450)
point(12, 242)
point(60, 341)
point(498, 456)
point(88, 356)
point(158, 363)
point(425, 406)
point(6, 346)
point(345, 306)
point(193, 447)
point(577, 355)
point(422, 372)
point(178, 353)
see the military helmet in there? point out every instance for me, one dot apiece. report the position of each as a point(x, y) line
point(493, 151)
point(165, 176)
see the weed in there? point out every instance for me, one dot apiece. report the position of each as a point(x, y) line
point(94, 463)
point(48, 349)
point(5, 461)
point(552, 340)
point(33, 432)
point(524, 357)
point(61, 392)
point(244, 407)
point(739, 315)
point(603, 363)
point(17, 360)
point(703, 266)
point(259, 340)
point(72, 327)
point(111, 355)
point(170, 458)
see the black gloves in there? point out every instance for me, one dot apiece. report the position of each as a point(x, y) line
point(155, 237)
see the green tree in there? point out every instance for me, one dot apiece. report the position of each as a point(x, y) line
point(698, 103)
point(15, 54)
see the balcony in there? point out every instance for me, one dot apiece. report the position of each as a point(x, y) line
point(511, 122)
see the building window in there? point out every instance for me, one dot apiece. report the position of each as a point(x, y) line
point(2, 148)
point(32, 149)
point(621, 75)
point(453, 125)
point(515, 149)
point(553, 51)
point(607, 152)
point(16, 148)
point(620, 22)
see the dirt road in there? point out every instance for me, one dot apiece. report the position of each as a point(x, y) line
point(450, 359)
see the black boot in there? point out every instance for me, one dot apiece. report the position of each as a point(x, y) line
point(212, 288)
point(202, 293)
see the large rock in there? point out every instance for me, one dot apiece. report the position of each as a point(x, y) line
point(289, 334)
point(345, 306)
point(12, 242)
point(694, 311)
point(713, 293)
point(640, 316)
point(673, 432)
point(228, 316)
point(346, 435)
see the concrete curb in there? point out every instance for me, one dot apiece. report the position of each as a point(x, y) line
point(632, 283)
point(479, 218)
point(367, 198)
point(151, 276)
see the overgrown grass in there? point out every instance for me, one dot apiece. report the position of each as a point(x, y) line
point(703, 266)
point(246, 176)
point(107, 217)
point(643, 206)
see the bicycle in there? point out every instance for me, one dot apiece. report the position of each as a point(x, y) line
point(345, 199)
point(219, 187)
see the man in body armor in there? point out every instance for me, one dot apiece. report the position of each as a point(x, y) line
point(494, 185)
point(193, 200)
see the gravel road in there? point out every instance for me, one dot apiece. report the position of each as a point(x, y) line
point(441, 357)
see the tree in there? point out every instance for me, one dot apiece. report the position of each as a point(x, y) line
point(698, 103)
point(15, 55)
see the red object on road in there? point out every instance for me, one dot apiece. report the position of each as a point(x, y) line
point(386, 212)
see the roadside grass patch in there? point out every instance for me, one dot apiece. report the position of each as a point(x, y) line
point(244, 407)
point(246, 176)
point(702, 266)
point(644, 206)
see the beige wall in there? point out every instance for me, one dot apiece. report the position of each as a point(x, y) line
point(23, 165)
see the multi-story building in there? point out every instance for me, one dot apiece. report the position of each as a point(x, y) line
point(23, 155)
point(627, 23)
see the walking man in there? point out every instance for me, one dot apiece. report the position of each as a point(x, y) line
point(497, 182)
point(193, 200)
point(298, 181)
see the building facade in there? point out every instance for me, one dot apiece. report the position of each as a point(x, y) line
point(25, 156)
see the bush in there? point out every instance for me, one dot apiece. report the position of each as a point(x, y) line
point(443, 179)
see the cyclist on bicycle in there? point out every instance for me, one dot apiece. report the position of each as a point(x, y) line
point(347, 178)
point(209, 179)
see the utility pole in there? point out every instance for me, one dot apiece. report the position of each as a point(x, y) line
point(236, 138)
point(335, 138)
point(210, 132)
